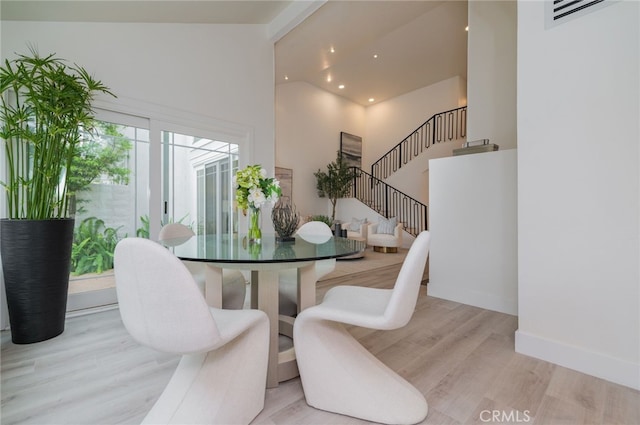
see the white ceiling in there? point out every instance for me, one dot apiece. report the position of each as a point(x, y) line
point(159, 11)
point(418, 43)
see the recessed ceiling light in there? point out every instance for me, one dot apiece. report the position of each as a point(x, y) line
point(286, 77)
point(371, 99)
point(375, 56)
point(332, 50)
point(329, 78)
point(466, 28)
point(341, 86)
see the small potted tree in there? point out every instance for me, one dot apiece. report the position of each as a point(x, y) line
point(335, 182)
point(45, 108)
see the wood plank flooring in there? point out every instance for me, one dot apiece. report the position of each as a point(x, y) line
point(460, 357)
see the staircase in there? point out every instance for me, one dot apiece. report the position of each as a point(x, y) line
point(442, 127)
point(388, 201)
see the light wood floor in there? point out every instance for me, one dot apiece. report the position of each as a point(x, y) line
point(460, 357)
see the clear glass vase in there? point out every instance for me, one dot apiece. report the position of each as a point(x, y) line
point(254, 234)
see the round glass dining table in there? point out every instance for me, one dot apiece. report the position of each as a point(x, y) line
point(263, 261)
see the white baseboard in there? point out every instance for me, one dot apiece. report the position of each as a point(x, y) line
point(90, 299)
point(474, 298)
point(596, 364)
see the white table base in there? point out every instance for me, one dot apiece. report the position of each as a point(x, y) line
point(264, 296)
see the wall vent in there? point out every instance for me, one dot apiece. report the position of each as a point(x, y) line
point(560, 11)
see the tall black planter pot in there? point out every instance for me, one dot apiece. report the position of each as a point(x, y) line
point(36, 259)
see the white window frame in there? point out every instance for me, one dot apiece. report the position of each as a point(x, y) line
point(157, 119)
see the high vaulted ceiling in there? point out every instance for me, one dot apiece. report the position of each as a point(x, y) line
point(417, 43)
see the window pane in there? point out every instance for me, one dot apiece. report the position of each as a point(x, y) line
point(108, 184)
point(197, 182)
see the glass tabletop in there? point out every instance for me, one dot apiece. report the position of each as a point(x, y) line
point(237, 249)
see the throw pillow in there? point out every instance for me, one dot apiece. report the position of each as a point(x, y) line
point(355, 224)
point(387, 226)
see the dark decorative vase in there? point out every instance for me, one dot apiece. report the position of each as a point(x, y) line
point(36, 260)
point(285, 221)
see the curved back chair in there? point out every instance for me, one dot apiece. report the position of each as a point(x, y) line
point(337, 373)
point(222, 374)
point(234, 286)
point(318, 232)
point(314, 232)
point(176, 233)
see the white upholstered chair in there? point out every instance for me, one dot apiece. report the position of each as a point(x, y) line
point(314, 232)
point(337, 373)
point(222, 374)
point(384, 241)
point(357, 229)
point(234, 286)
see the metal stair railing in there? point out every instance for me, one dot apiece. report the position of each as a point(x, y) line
point(442, 127)
point(389, 201)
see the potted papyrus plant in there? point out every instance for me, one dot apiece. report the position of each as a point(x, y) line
point(45, 110)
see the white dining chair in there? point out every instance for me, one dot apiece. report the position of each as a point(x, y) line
point(338, 374)
point(222, 373)
point(234, 285)
point(314, 232)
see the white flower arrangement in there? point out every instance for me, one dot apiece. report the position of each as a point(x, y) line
point(254, 188)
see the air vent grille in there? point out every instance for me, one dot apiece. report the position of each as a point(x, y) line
point(559, 11)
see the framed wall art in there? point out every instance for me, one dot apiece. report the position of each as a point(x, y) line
point(285, 176)
point(351, 149)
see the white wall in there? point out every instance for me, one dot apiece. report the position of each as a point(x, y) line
point(192, 68)
point(308, 126)
point(473, 254)
point(491, 72)
point(472, 198)
point(579, 190)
